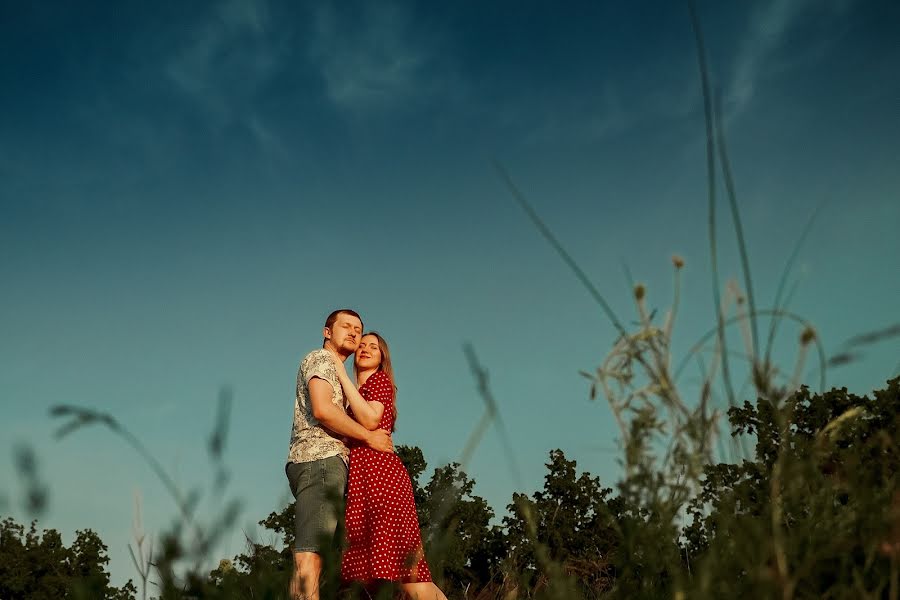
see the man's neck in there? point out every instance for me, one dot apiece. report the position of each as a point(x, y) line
point(336, 351)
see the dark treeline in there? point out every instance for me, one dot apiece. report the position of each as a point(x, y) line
point(814, 513)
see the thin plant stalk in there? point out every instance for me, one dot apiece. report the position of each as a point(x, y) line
point(736, 218)
point(773, 312)
point(773, 324)
point(551, 239)
point(711, 189)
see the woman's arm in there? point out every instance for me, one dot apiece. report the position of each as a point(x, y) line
point(335, 419)
point(368, 414)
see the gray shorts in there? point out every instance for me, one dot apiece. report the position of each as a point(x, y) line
point(319, 487)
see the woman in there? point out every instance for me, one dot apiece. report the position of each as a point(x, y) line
point(385, 543)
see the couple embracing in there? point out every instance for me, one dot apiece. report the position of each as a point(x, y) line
point(341, 452)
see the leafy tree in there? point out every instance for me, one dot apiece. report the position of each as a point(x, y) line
point(414, 461)
point(462, 547)
point(570, 526)
point(38, 565)
point(814, 513)
point(811, 516)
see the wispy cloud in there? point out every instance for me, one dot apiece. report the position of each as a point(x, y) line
point(228, 60)
point(766, 34)
point(266, 138)
point(580, 118)
point(769, 30)
point(373, 61)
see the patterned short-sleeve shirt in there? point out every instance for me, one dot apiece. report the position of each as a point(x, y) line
point(309, 440)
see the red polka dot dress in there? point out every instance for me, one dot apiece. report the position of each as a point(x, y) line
point(384, 541)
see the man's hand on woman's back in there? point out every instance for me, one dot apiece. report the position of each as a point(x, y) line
point(380, 440)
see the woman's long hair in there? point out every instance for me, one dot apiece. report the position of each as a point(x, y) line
point(385, 364)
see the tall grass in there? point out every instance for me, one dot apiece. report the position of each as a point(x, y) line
point(182, 553)
point(667, 440)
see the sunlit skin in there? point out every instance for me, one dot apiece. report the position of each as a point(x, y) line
point(367, 360)
point(343, 337)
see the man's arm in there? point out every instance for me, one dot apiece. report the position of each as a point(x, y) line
point(332, 417)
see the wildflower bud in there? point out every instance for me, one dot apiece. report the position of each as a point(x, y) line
point(677, 261)
point(808, 335)
point(639, 292)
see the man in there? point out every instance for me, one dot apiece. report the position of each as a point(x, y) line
point(317, 458)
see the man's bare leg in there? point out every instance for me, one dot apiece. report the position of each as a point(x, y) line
point(305, 580)
point(423, 591)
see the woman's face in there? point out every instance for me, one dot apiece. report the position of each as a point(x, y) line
point(368, 355)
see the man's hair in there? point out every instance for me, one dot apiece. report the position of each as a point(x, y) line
point(329, 322)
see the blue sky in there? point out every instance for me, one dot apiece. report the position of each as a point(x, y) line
point(189, 189)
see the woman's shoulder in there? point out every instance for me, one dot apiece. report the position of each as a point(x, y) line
point(380, 381)
point(379, 378)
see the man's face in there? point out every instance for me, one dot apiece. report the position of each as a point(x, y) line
point(345, 333)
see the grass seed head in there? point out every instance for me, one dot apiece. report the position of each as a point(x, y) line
point(808, 335)
point(639, 292)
